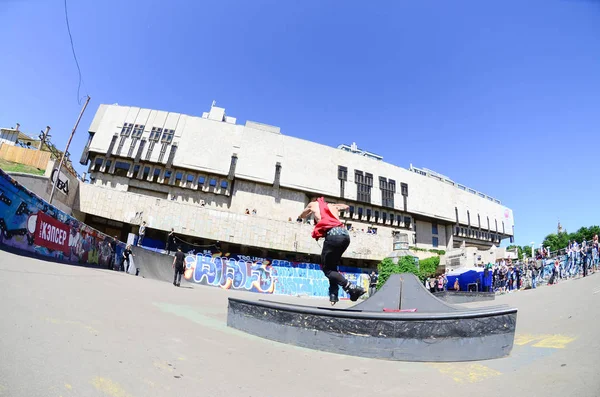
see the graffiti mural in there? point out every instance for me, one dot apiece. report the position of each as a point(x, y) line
point(28, 223)
point(263, 275)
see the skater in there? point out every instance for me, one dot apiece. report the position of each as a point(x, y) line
point(178, 267)
point(125, 258)
point(336, 241)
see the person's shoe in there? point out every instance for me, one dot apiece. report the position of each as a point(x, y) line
point(179, 284)
point(333, 299)
point(355, 292)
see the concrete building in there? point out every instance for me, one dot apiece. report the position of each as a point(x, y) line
point(212, 179)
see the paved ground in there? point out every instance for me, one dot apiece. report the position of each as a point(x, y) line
point(70, 331)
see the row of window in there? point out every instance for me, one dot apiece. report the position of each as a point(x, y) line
point(364, 185)
point(376, 216)
point(136, 131)
point(477, 234)
point(156, 174)
point(479, 221)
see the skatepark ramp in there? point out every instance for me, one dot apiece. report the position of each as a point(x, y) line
point(153, 265)
point(402, 321)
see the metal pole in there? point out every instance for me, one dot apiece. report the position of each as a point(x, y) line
point(66, 149)
point(44, 137)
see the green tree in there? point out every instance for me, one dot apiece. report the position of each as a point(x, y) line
point(556, 241)
point(428, 267)
point(387, 267)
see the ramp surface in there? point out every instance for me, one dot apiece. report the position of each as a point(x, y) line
point(388, 296)
point(153, 265)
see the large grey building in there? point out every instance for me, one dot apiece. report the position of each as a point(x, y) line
point(212, 179)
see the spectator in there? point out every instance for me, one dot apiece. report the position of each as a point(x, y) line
point(142, 233)
point(373, 278)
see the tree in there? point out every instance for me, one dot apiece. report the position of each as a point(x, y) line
point(387, 267)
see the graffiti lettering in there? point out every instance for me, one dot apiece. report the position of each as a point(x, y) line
point(265, 276)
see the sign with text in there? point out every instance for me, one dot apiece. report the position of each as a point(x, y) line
point(51, 233)
point(62, 184)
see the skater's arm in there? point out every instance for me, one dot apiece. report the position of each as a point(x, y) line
point(341, 207)
point(307, 211)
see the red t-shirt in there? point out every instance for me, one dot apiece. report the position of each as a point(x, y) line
point(328, 220)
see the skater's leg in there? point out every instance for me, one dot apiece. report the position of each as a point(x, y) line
point(336, 242)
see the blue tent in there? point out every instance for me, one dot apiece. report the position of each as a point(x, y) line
point(467, 276)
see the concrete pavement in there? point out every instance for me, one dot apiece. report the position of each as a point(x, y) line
point(71, 331)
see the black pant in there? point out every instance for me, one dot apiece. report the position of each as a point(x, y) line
point(333, 248)
point(177, 275)
point(125, 269)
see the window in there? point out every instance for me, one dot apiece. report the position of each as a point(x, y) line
point(107, 165)
point(478, 221)
point(136, 170)
point(364, 182)
point(376, 215)
point(384, 217)
point(456, 213)
point(167, 136)
point(407, 222)
point(171, 155)
point(150, 149)
point(121, 168)
point(434, 242)
point(163, 150)
point(178, 178)
point(138, 130)
point(121, 143)
point(98, 163)
point(126, 130)
point(369, 213)
point(468, 218)
point(277, 175)
point(351, 209)
point(434, 228)
point(224, 184)
point(388, 188)
point(131, 147)
point(404, 189)
point(155, 134)
point(342, 173)
point(399, 219)
point(201, 181)
point(167, 176)
point(189, 179)
point(360, 212)
point(343, 177)
point(156, 174)
point(232, 166)
point(146, 173)
point(212, 182)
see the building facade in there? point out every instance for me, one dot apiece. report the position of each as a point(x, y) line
point(211, 179)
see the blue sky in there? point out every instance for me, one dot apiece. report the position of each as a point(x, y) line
point(500, 96)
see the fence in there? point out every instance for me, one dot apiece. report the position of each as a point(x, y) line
point(34, 158)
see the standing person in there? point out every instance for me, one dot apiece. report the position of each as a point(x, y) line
point(178, 267)
point(373, 283)
point(125, 258)
point(142, 233)
point(113, 253)
point(170, 241)
point(337, 239)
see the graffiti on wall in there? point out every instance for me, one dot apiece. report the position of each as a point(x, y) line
point(263, 275)
point(29, 223)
